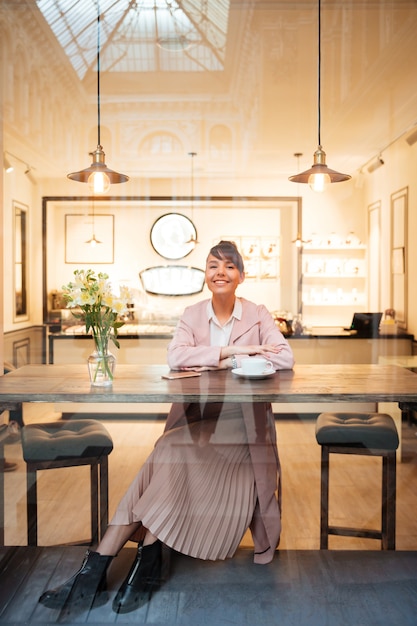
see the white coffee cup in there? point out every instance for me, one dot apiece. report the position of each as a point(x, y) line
point(254, 365)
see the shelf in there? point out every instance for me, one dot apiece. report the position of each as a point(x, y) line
point(307, 249)
point(334, 304)
point(334, 280)
point(334, 275)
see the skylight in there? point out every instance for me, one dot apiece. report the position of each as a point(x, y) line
point(141, 35)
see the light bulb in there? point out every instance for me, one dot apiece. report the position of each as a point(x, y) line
point(93, 242)
point(319, 182)
point(99, 182)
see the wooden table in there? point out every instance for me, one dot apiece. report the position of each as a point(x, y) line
point(143, 384)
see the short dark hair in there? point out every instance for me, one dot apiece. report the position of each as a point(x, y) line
point(228, 250)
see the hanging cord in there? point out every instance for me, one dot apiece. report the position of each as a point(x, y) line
point(319, 74)
point(98, 74)
point(192, 155)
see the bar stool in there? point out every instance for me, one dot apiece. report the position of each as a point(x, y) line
point(369, 434)
point(68, 444)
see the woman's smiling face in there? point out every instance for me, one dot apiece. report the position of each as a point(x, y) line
point(222, 275)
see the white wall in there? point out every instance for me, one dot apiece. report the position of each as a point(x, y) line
point(133, 251)
point(398, 172)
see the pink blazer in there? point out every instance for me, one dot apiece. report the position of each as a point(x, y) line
point(190, 347)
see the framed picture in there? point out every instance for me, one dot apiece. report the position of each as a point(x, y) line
point(269, 269)
point(89, 238)
point(252, 269)
point(20, 262)
point(374, 256)
point(250, 248)
point(399, 270)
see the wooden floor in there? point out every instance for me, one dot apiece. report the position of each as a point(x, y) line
point(299, 588)
point(353, 583)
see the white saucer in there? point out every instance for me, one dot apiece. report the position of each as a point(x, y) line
point(264, 374)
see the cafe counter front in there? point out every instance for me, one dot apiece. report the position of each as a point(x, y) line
point(147, 343)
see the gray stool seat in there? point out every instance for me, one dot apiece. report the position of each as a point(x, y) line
point(68, 444)
point(369, 434)
point(367, 430)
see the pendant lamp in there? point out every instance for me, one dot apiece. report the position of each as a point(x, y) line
point(319, 176)
point(192, 155)
point(299, 241)
point(98, 176)
point(93, 241)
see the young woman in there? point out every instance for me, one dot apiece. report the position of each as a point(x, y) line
point(215, 471)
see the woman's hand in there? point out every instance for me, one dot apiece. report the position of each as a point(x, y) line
point(229, 351)
point(252, 350)
point(199, 368)
point(224, 364)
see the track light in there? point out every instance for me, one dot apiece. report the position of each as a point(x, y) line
point(377, 163)
point(411, 139)
point(7, 165)
point(28, 173)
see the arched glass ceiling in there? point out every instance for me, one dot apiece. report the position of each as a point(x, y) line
point(141, 35)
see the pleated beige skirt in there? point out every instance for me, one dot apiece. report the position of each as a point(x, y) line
point(196, 491)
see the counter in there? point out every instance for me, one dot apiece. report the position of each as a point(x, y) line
point(332, 345)
point(147, 343)
point(139, 344)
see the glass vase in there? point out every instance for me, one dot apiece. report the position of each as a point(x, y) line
point(101, 366)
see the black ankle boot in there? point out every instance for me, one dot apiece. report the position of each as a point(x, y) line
point(144, 576)
point(83, 586)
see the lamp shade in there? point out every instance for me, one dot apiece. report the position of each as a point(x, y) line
point(98, 175)
point(319, 175)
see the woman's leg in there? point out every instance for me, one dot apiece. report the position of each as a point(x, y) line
point(116, 536)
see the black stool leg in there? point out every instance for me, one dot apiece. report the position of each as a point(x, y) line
point(389, 471)
point(94, 501)
point(104, 494)
point(324, 499)
point(31, 506)
point(16, 415)
point(1, 494)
